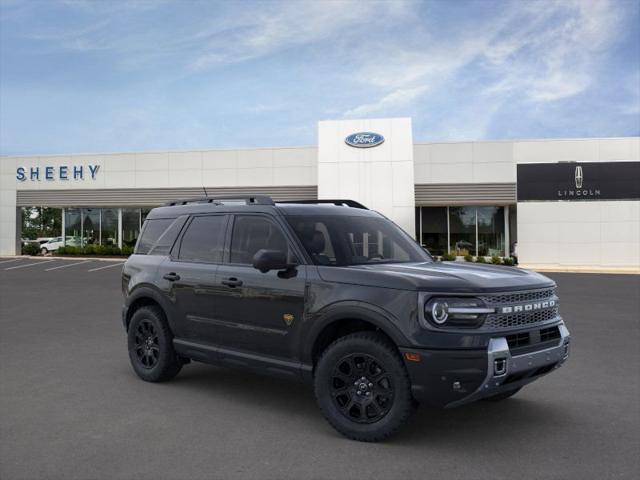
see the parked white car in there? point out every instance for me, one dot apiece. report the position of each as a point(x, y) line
point(57, 242)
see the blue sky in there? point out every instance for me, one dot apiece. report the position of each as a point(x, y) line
point(104, 76)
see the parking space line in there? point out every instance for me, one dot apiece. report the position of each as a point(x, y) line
point(65, 266)
point(30, 264)
point(9, 261)
point(108, 266)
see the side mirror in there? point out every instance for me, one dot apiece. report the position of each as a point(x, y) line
point(265, 260)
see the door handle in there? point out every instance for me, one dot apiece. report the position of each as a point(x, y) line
point(172, 277)
point(232, 282)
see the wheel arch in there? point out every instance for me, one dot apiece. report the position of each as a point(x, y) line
point(344, 319)
point(142, 297)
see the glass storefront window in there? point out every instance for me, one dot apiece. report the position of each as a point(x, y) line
point(72, 227)
point(90, 226)
point(462, 223)
point(434, 229)
point(490, 231)
point(109, 227)
point(130, 226)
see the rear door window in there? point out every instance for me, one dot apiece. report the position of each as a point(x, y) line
point(203, 241)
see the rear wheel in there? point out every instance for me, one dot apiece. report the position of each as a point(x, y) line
point(503, 395)
point(363, 388)
point(150, 345)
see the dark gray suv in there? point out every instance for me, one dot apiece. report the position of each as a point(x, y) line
point(331, 293)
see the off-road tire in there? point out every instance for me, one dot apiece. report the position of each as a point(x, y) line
point(148, 324)
point(373, 352)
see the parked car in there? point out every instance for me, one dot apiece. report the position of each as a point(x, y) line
point(336, 295)
point(55, 243)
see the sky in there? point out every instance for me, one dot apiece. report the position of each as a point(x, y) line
point(88, 76)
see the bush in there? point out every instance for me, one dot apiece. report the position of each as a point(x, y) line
point(481, 259)
point(101, 250)
point(462, 252)
point(448, 257)
point(31, 249)
point(496, 260)
point(509, 261)
point(468, 257)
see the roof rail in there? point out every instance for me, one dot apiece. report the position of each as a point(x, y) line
point(340, 203)
point(219, 200)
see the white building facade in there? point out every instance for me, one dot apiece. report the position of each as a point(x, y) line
point(558, 203)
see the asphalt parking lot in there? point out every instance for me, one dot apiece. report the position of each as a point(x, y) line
point(71, 407)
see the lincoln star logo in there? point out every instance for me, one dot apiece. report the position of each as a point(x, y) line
point(364, 140)
point(528, 307)
point(579, 177)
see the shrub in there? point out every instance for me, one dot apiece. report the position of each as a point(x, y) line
point(31, 249)
point(468, 257)
point(462, 252)
point(101, 250)
point(496, 260)
point(481, 259)
point(509, 261)
point(448, 257)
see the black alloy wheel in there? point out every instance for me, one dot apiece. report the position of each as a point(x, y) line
point(361, 388)
point(150, 345)
point(147, 348)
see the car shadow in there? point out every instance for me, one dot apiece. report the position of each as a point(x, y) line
point(477, 424)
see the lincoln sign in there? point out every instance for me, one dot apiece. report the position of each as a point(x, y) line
point(577, 181)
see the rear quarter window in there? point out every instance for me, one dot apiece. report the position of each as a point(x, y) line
point(158, 235)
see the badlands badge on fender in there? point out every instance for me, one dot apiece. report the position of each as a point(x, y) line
point(288, 319)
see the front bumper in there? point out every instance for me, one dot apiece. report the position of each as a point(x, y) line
point(450, 378)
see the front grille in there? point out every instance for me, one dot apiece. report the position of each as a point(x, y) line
point(533, 340)
point(518, 297)
point(548, 334)
point(496, 321)
point(518, 340)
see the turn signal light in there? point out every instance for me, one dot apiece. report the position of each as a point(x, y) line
point(412, 357)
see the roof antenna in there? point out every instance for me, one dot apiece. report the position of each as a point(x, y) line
point(205, 191)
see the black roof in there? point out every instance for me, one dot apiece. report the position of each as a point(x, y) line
point(260, 203)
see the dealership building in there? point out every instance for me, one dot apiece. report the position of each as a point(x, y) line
point(557, 203)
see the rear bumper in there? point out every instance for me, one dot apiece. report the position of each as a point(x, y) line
point(450, 378)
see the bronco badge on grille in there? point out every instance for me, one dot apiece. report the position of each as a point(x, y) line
point(528, 307)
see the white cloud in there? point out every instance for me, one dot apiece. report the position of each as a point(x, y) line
point(396, 99)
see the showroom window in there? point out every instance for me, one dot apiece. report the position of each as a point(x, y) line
point(434, 229)
point(463, 230)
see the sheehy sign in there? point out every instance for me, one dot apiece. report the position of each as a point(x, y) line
point(60, 172)
point(576, 181)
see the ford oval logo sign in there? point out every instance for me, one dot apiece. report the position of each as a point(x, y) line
point(364, 139)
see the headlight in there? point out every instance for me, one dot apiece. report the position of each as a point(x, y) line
point(456, 312)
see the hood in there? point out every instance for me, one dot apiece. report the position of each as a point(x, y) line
point(453, 277)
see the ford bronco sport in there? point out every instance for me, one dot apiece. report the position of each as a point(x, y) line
point(334, 294)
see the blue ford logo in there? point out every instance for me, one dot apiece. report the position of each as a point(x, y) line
point(364, 139)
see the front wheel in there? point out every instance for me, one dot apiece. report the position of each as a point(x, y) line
point(362, 387)
point(150, 344)
point(44, 251)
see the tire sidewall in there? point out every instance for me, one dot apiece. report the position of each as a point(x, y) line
point(391, 362)
point(166, 355)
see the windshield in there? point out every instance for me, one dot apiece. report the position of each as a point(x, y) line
point(344, 240)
